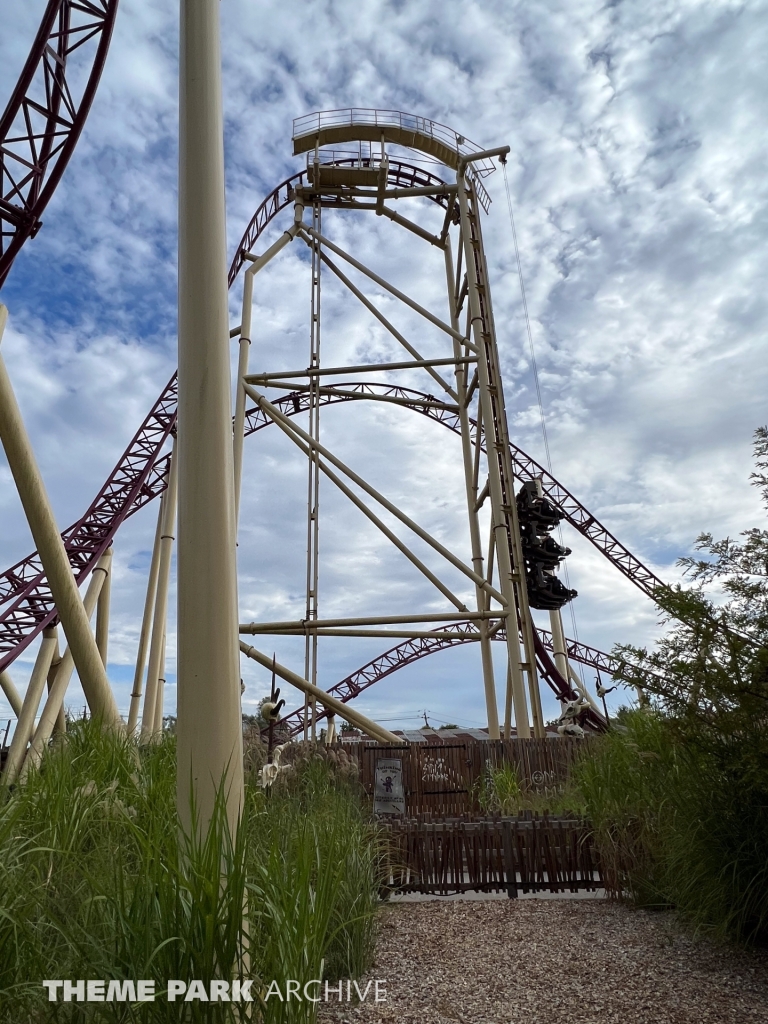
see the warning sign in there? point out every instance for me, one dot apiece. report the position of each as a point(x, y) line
point(388, 796)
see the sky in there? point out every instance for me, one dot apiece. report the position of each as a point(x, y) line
point(637, 181)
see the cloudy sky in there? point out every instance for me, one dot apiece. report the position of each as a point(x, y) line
point(637, 176)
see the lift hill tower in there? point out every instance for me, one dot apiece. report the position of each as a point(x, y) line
point(515, 568)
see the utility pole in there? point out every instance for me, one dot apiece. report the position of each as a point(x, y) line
point(209, 715)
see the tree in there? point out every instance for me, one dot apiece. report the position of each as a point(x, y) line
point(687, 786)
point(711, 667)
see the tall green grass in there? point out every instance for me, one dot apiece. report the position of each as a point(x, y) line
point(681, 820)
point(499, 791)
point(95, 884)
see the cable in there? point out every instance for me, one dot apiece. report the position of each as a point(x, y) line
point(538, 387)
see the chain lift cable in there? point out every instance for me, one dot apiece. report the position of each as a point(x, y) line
point(535, 369)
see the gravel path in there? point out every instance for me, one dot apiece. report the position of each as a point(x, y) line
point(553, 962)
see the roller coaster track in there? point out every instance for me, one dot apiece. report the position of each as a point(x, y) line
point(410, 651)
point(139, 476)
point(40, 126)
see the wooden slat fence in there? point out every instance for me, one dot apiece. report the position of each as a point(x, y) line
point(527, 853)
point(443, 778)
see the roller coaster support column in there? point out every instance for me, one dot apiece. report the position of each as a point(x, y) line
point(102, 616)
point(58, 689)
point(61, 719)
point(12, 695)
point(26, 723)
point(157, 730)
point(245, 344)
point(209, 724)
point(558, 642)
point(486, 655)
point(146, 622)
point(500, 479)
point(50, 547)
point(157, 648)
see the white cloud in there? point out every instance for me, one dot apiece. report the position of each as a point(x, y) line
point(636, 173)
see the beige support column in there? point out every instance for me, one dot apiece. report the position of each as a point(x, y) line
point(242, 370)
point(209, 724)
point(482, 603)
point(157, 727)
point(12, 695)
point(146, 622)
point(60, 727)
point(63, 675)
point(50, 547)
point(102, 613)
point(26, 723)
point(558, 643)
point(159, 623)
point(494, 472)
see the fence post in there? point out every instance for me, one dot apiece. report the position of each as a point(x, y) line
point(510, 874)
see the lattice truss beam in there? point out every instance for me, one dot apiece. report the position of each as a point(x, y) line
point(46, 114)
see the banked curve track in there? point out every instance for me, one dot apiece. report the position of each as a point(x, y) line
point(410, 651)
point(139, 476)
point(45, 115)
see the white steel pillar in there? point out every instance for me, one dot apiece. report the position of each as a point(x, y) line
point(156, 664)
point(209, 726)
point(102, 612)
point(146, 622)
point(26, 723)
point(558, 643)
point(12, 695)
point(313, 482)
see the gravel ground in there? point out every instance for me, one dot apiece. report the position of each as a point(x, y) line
point(554, 962)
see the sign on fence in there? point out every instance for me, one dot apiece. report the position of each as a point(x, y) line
point(388, 797)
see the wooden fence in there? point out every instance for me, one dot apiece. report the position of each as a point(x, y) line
point(528, 853)
point(444, 778)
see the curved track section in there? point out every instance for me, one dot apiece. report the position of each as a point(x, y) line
point(525, 468)
point(129, 487)
point(40, 126)
point(140, 476)
point(401, 175)
point(411, 651)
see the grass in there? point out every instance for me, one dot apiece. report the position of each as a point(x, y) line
point(94, 884)
point(500, 791)
point(683, 824)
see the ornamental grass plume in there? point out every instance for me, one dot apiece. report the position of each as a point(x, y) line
point(95, 883)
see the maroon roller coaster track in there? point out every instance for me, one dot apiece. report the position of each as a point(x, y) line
point(140, 474)
point(410, 651)
point(43, 120)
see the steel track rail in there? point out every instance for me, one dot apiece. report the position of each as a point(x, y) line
point(411, 651)
point(43, 120)
point(140, 476)
point(133, 482)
